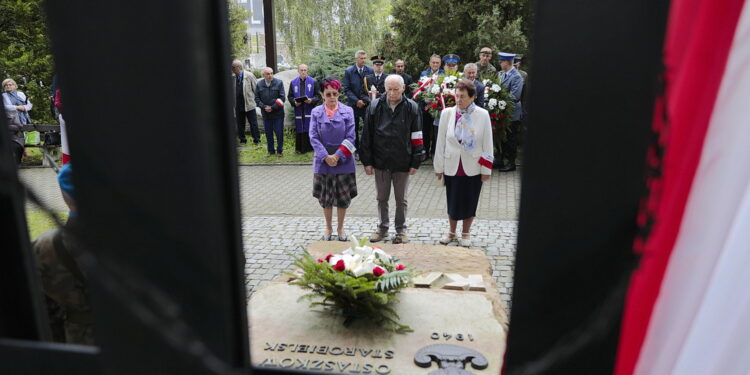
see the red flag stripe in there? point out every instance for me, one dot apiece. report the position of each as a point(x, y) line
point(485, 163)
point(417, 142)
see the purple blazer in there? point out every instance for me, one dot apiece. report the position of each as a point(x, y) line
point(337, 131)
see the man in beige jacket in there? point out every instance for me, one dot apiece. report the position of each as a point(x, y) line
point(244, 108)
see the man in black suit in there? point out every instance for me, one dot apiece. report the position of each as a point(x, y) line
point(355, 92)
point(398, 68)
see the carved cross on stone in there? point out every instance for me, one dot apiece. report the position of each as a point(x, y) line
point(451, 359)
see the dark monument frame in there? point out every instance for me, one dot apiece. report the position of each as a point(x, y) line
point(157, 73)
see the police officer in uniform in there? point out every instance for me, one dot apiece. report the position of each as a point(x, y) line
point(511, 79)
point(451, 61)
point(377, 78)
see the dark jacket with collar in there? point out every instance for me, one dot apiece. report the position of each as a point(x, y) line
point(354, 87)
point(378, 82)
point(480, 93)
point(266, 94)
point(392, 139)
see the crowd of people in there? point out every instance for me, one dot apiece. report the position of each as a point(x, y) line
point(383, 125)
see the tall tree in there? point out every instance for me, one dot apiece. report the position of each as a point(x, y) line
point(338, 24)
point(25, 52)
point(238, 16)
point(423, 27)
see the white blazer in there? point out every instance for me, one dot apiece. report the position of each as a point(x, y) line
point(448, 151)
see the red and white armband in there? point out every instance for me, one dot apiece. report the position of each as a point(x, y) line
point(347, 148)
point(416, 138)
point(486, 160)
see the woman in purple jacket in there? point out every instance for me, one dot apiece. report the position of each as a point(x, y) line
point(332, 139)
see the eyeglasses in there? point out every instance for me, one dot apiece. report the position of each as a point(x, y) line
point(332, 94)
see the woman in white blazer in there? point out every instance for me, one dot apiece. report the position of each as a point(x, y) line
point(463, 159)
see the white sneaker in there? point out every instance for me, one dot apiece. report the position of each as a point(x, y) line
point(465, 240)
point(448, 238)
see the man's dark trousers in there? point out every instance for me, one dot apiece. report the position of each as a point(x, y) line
point(359, 120)
point(240, 115)
point(271, 126)
point(510, 145)
point(429, 131)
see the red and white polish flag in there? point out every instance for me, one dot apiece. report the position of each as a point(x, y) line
point(687, 310)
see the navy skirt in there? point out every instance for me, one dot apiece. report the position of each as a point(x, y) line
point(462, 194)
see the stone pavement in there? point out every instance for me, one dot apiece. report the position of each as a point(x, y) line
point(287, 190)
point(280, 216)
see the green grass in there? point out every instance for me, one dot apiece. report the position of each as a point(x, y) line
point(257, 154)
point(39, 222)
point(33, 156)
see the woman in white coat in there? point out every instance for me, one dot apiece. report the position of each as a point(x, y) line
point(463, 159)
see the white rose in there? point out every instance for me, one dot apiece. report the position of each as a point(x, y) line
point(485, 82)
point(382, 255)
point(363, 268)
point(495, 87)
point(435, 89)
point(493, 102)
point(502, 104)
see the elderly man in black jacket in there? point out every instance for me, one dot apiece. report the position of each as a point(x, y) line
point(269, 97)
point(392, 149)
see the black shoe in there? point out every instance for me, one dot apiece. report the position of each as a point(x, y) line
point(243, 141)
point(508, 167)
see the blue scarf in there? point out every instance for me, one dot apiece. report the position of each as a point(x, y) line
point(16, 101)
point(465, 128)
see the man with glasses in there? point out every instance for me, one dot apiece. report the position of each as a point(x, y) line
point(484, 65)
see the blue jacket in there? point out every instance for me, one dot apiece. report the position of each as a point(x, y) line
point(428, 72)
point(479, 101)
point(513, 82)
point(266, 94)
point(354, 87)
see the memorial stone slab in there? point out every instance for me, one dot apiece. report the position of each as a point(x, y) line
point(463, 329)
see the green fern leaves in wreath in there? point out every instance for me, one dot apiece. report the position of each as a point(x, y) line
point(393, 280)
point(355, 295)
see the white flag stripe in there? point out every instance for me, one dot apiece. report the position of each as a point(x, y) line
point(349, 145)
point(701, 320)
point(416, 135)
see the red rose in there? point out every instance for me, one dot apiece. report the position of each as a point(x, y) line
point(434, 105)
point(339, 266)
point(493, 115)
point(400, 267)
point(377, 271)
point(320, 260)
point(502, 115)
point(328, 257)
